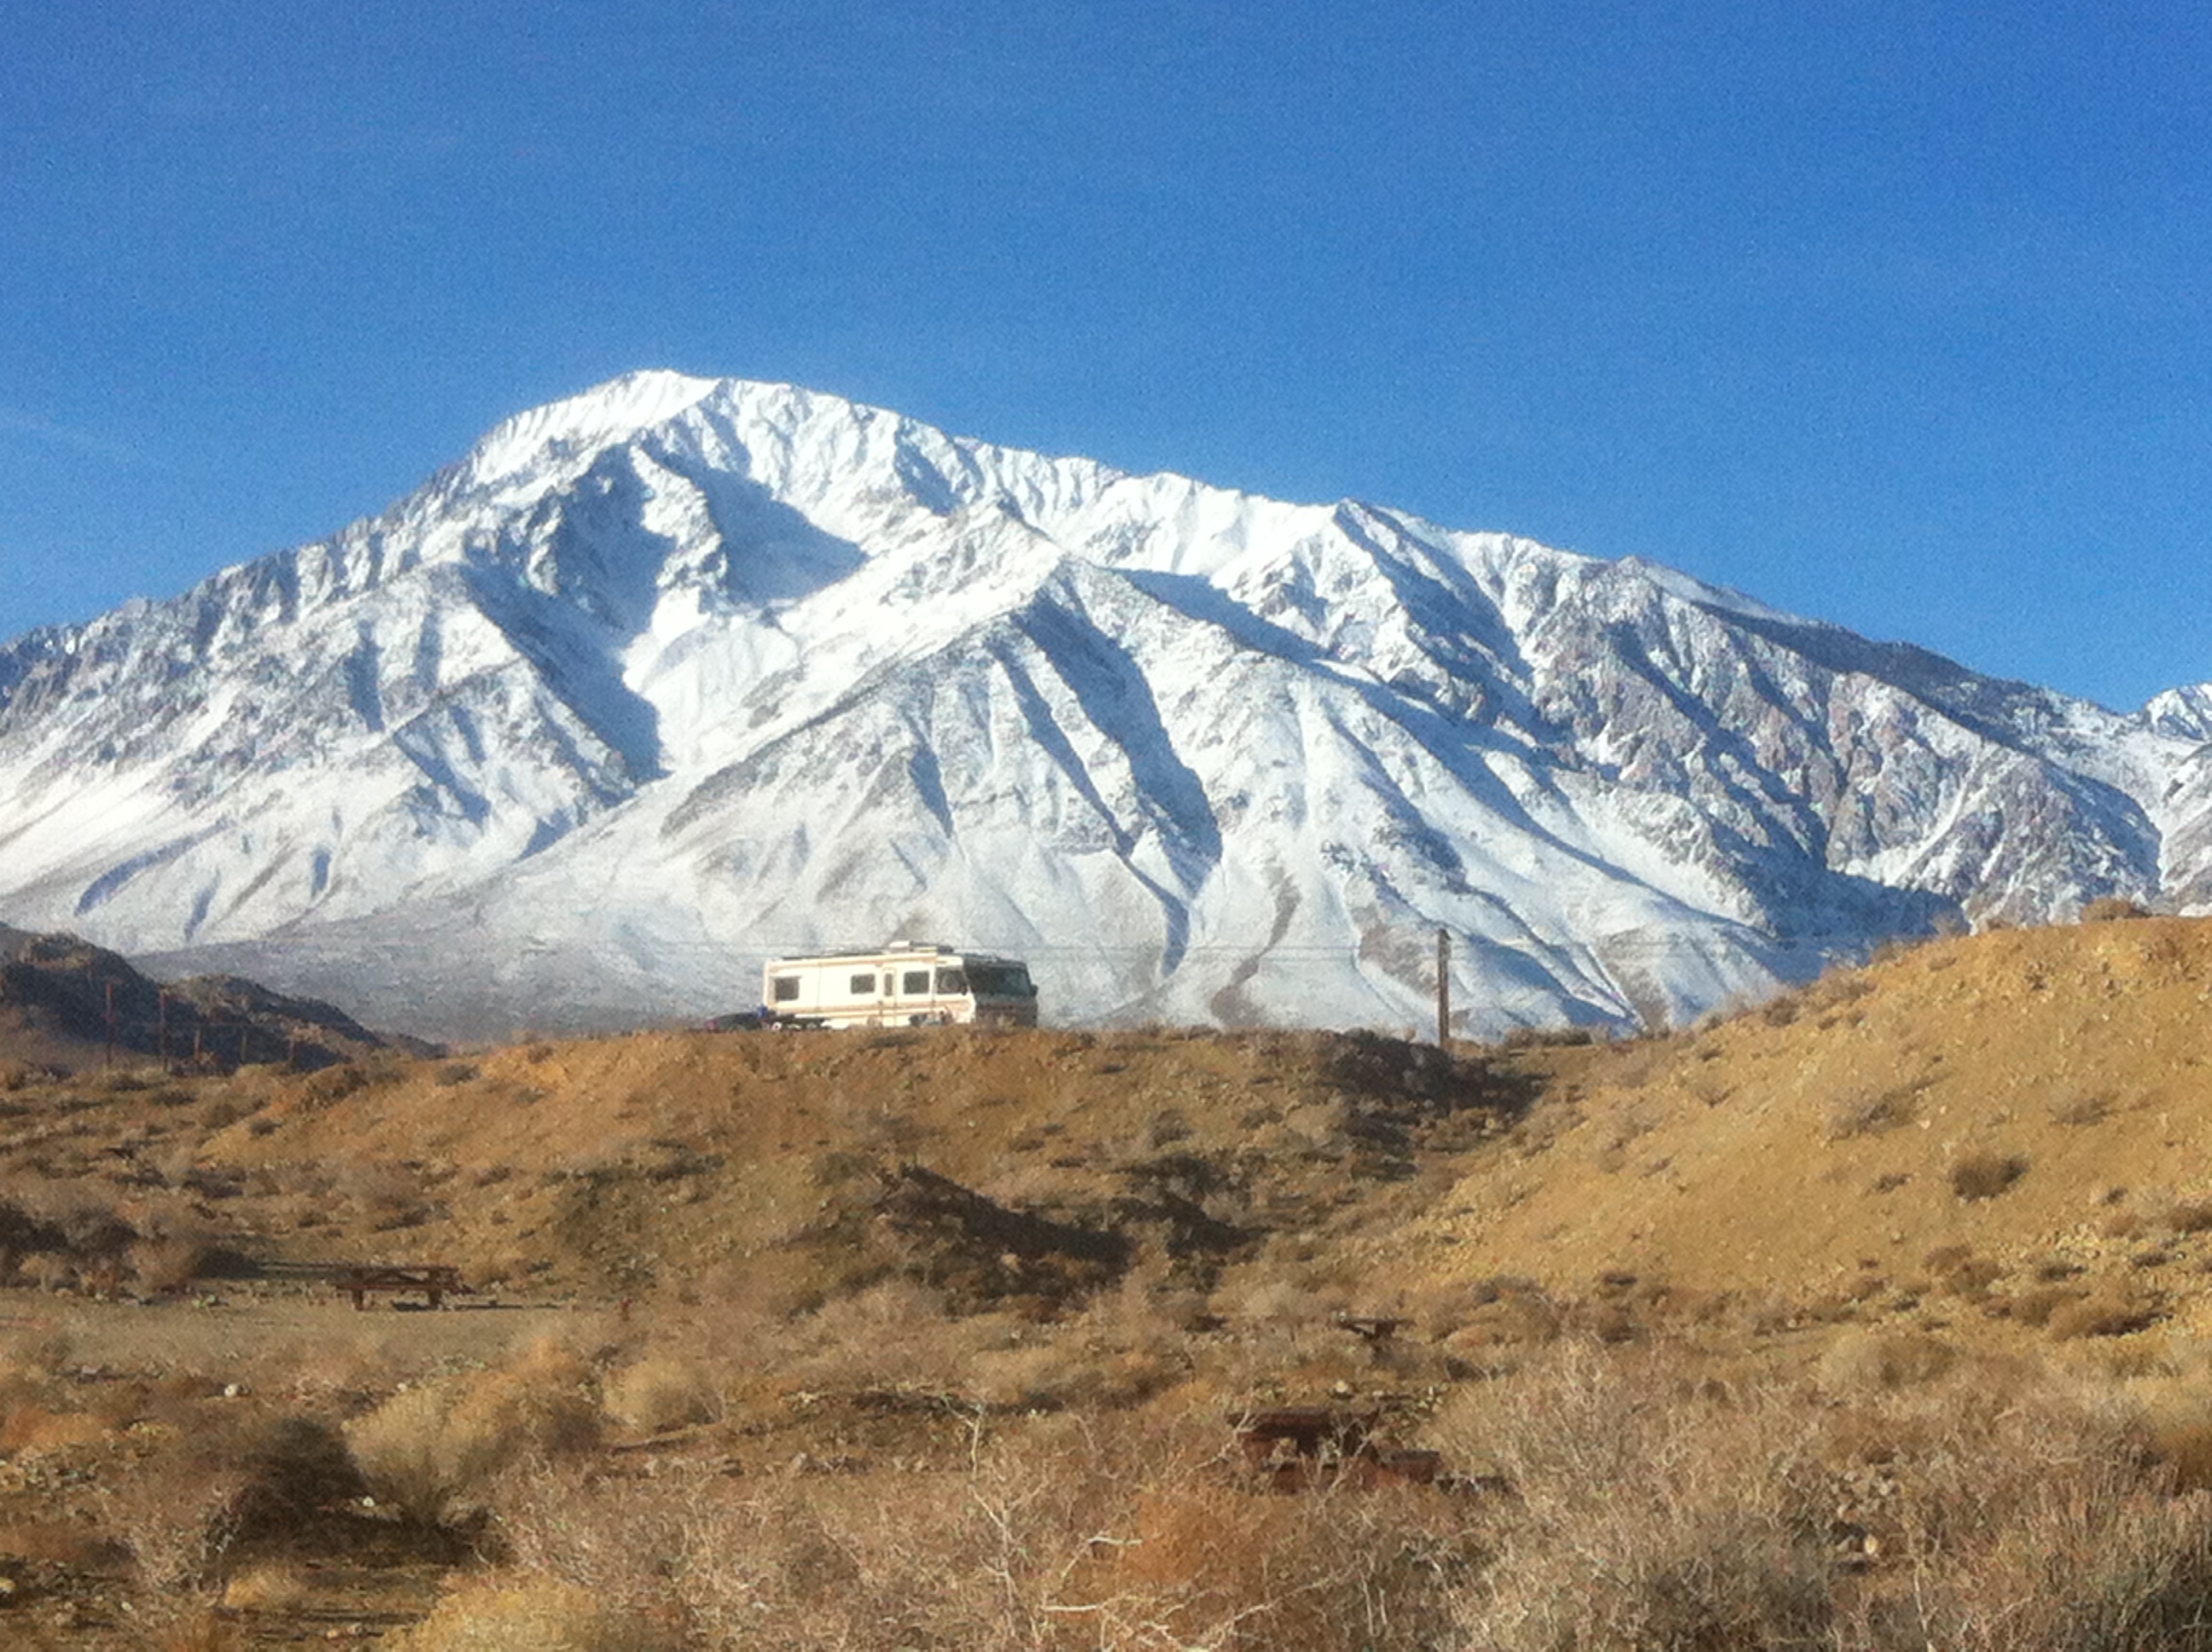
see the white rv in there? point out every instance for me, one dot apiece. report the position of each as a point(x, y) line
point(905, 984)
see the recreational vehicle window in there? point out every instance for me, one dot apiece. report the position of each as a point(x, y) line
point(862, 986)
point(999, 981)
point(915, 984)
point(951, 981)
point(787, 989)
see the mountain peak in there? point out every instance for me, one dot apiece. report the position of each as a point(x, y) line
point(591, 419)
point(680, 672)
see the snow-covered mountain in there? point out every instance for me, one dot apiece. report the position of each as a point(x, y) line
point(681, 673)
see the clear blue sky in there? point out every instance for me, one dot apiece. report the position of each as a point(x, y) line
point(1892, 314)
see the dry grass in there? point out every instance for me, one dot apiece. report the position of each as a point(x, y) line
point(2081, 1111)
point(170, 1261)
point(660, 1393)
point(1642, 1520)
point(177, 1516)
point(1984, 1510)
point(1858, 1364)
point(1919, 1498)
point(2112, 1311)
point(430, 1452)
point(497, 1614)
point(1057, 1536)
point(273, 1587)
point(182, 1513)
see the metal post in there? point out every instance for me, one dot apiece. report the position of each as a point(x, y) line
point(1443, 988)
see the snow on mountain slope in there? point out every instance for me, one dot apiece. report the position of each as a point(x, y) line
point(682, 672)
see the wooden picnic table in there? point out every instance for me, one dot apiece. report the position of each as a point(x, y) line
point(436, 1281)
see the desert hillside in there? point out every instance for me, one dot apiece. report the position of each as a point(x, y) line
point(2028, 1108)
point(944, 1337)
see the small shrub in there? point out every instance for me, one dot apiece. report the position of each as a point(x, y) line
point(178, 1515)
point(1974, 1276)
point(274, 1587)
point(388, 1195)
point(1645, 1516)
point(2110, 1312)
point(2035, 1305)
point(1521, 1038)
point(2179, 1427)
point(660, 1392)
point(2186, 1215)
point(1870, 1113)
point(2079, 1110)
point(337, 1083)
point(1985, 1174)
point(169, 1262)
point(184, 1624)
point(2109, 909)
point(1166, 1127)
point(840, 1167)
point(2090, 1555)
point(1883, 1361)
point(430, 1451)
point(507, 1613)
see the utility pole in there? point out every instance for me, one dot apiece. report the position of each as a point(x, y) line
point(1443, 988)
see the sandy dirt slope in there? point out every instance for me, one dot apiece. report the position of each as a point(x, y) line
point(2041, 1098)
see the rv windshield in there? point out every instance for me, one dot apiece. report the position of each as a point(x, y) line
point(999, 981)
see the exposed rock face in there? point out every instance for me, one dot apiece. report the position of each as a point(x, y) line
point(66, 1002)
point(681, 673)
